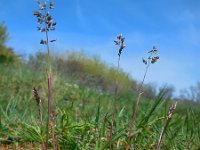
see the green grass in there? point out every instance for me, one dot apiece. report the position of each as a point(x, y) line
point(84, 113)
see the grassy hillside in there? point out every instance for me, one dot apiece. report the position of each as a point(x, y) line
point(83, 107)
point(85, 71)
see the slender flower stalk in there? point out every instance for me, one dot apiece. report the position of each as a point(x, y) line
point(46, 24)
point(150, 60)
point(120, 43)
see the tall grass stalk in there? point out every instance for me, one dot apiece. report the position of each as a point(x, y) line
point(120, 43)
point(150, 60)
point(46, 24)
point(49, 89)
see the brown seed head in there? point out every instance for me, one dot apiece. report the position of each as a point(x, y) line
point(119, 36)
point(153, 60)
point(36, 96)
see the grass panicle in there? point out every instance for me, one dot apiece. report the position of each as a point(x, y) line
point(46, 24)
point(120, 43)
point(150, 60)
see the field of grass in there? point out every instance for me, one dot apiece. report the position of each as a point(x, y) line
point(82, 109)
point(76, 102)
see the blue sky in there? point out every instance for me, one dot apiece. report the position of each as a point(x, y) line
point(91, 25)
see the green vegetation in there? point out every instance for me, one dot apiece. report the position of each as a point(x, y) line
point(86, 104)
point(83, 113)
point(6, 54)
point(85, 71)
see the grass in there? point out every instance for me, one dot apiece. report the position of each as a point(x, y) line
point(84, 115)
point(87, 105)
point(85, 71)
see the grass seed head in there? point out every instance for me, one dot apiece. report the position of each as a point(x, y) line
point(36, 96)
point(171, 109)
point(44, 19)
point(120, 42)
point(151, 58)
